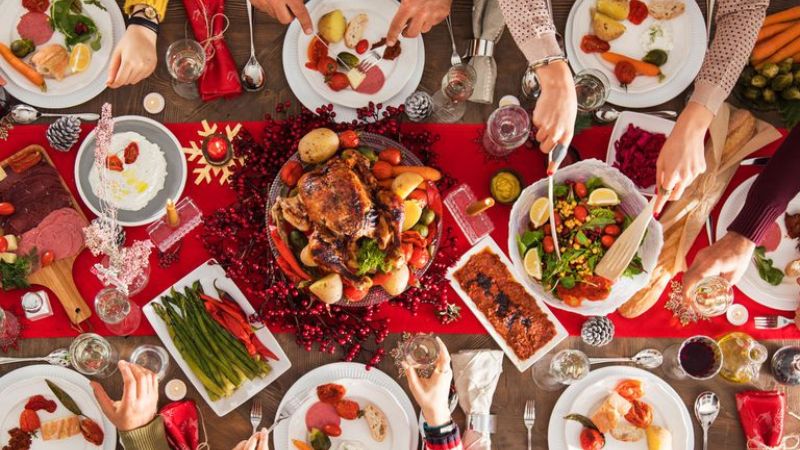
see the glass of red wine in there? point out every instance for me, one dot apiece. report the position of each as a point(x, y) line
point(697, 358)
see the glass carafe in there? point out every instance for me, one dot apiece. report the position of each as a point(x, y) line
point(742, 357)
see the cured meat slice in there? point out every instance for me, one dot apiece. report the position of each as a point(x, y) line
point(36, 5)
point(321, 414)
point(772, 238)
point(61, 232)
point(36, 27)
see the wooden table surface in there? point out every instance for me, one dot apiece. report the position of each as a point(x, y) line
point(514, 388)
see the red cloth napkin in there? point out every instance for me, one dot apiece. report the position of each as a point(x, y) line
point(761, 414)
point(182, 425)
point(221, 77)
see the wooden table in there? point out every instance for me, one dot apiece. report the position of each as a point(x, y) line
point(514, 388)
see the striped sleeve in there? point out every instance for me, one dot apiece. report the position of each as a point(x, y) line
point(448, 441)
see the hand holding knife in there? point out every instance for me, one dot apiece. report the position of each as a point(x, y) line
point(554, 160)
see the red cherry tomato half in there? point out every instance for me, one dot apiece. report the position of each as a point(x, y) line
point(47, 258)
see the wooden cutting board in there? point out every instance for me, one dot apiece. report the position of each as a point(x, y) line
point(58, 276)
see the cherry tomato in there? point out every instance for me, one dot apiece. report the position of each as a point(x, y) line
point(347, 409)
point(29, 421)
point(326, 66)
point(592, 439)
point(355, 295)
point(131, 153)
point(3, 244)
point(581, 213)
point(630, 389)
point(619, 216)
point(114, 163)
point(348, 139)
point(640, 414)
point(593, 44)
point(316, 51)
point(625, 72)
point(337, 81)
point(330, 393)
point(6, 209)
point(607, 240)
point(637, 12)
point(291, 173)
point(332, 430)
point(420, 196)
point(612, 230)
point(580, 190)
point(47, 258)
point(419, 258)
point(390, 155)
point(362, 46)
point(548, 245)
point(382, 170)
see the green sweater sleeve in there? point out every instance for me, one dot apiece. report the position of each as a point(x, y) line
point(149, 437)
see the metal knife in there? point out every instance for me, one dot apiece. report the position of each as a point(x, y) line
point(757, 161)
point(554, 159)
point(339, 60)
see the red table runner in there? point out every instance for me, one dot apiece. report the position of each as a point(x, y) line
point(460, 156)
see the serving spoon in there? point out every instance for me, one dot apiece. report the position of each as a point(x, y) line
point(58, 357)
point(706, 409)
point(648, 358)
point(253, 74)
point(608, 114)
point(25, 114)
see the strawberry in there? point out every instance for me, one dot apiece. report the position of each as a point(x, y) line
point(338, 81)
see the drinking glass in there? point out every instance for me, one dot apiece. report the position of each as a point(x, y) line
point(450, 103)
point(186, 61)
point(506, 130)
point(697, 358)
point(153, 358)
point(421, 351)
point(92, 355)
point(552, 373)
point(9, 329)
point(712, 296)
point(592, 88)
point(121, 316)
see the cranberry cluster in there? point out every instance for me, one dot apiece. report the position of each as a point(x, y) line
point(237, 236)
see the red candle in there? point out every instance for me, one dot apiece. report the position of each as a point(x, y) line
point(217, 148)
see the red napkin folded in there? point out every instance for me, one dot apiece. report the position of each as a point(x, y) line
point(221, 77)
point(761, 414)
point(182, 425)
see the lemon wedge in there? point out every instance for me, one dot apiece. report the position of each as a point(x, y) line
point(603, 197)
point(533, 264)
point(540, 211)
point(79, 58)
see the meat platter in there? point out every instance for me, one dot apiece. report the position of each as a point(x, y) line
point(42, 228)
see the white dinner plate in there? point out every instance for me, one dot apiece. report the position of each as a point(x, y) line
point(311, 99)
point(586, 395)
point(17, 386)
point(396, 72)
point(785, 296)
point(364, 392)
point(207, 273)
point(352, 372)
point(683, 64)
point(644, 121)
point(74, 89)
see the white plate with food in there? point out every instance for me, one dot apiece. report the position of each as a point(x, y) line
point(350, 31)
point(676, 41)
point(485, 268)
point(145, 168)
point(617, 401)
point(640, 137)
point(383, 425)
point(70, 80)
point(58, 425)
point(779, 247)
point(209, 275)
point(370, 387)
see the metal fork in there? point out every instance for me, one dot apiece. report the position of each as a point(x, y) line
point(256, 415)
point(528, 418)
point(454, 57)
point(372, 58)
point(289, 409)
point(772, 322)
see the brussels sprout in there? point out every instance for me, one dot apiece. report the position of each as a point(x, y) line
point(793, 93)
point(797, 77)
point(759, 81)
point(785, 66)
point(768, 95)
point(348, 58)
point(421, 229)
point(752, 94)
point(770, 70)
point(22, 47)
point(297, 240)
point(781, 82)
point(368, 153)
point(747, 74)
point(318, 439)
point(656, 57)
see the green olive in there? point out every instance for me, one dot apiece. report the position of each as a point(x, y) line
point(421, 229)
point(781, 82)
point(768, 95)
point(759, 81)
point(427, 217)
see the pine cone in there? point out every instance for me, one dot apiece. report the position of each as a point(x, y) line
point(64, 133)
point(597, 331)
point(419, 106)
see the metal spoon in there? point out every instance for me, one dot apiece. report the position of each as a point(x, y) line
point(706, 409)
point(25, 114)
point(253, 75)
point(58, 357)
point(454, 57)
point(648, 358)
point(608, 114)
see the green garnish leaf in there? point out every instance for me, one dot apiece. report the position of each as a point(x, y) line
point(560, 190)
point(64, 398)
point(594, 183)
point(371, 258)
point(766, 270)
point(531, 237)
point(583, 420)
point(634, 268)
point(15, 275)
point(597, 222)
point(582, 239)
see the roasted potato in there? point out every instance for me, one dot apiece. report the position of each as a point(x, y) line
point(318, 145)
point(328, 288)
point(606, 28)
point(397, 282)
point(616, 9)
point(405, 183)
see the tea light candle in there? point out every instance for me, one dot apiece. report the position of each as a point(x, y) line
point(154, 103)
point(737, 315)
point(175, 390)
point(508, 100)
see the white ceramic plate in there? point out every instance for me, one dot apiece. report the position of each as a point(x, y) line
point(632, 203)
point(74, 89)
point(364, 392)
point(683, 64)
point(397, 72)
point(156, 133)
point(644, 121)
point(330, 373)
point(785, 296)
point(17, 386)
point(311, 99)
point(586, 395)
point(561, 332)
point(206, 274)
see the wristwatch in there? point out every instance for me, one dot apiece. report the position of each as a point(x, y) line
point(440, 431)
point(144, 22)
point(148, 12)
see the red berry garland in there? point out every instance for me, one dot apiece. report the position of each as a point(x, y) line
point(237, 237)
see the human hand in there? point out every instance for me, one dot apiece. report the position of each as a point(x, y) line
point(557, 106)
point(432, 394)
point(139, 401)
point(285, 11)
point(682, 157)
point(415, 17)
point(728, 258)
point(258, 441)
point(134, 57)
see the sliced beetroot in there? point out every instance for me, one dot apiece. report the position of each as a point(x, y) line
point(636, 155)
point(322, 414)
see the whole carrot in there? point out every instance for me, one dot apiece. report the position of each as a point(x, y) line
point(783, 16)
point(642, 68)
point(19, 65)
point(769, 47)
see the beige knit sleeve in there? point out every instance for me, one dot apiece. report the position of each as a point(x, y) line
point(149, 437)
point(532, 28)
point(737, 25)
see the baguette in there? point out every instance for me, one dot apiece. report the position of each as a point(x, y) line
point(355, 30)
point(378, 424)
point(666, 9)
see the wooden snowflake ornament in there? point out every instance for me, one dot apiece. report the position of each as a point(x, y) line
point(207, 171)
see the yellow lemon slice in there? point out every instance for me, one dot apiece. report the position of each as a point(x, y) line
point(412, 213)
point(80, 58)
point(533, 264)
point(540, 211)
point(603, 197)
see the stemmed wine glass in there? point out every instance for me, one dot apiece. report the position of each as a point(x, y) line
point(120, 315)
point(450, 102)
point(552, 373)
point(186, 61)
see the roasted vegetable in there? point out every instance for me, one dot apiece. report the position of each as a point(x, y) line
point(768, 95)
point(656, 57)
point(781, 82)
point(759, 81)
point(785, 66)
point(769, 70)
point(793, 93)
point(22, 47)
point(752, 94)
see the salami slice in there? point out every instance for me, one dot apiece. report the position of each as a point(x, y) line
point(36, 27)
point(36, 5)
point(321, 414)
